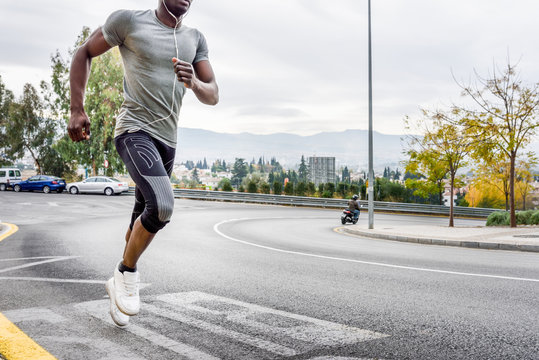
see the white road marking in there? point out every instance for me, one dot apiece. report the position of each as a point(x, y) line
point(53, 203)
point(114, 351)
point(59, 258)
point(29, 258)
point(56, 280)
point(216, 229)
point(33, 314)
point(227, 323)
point(219, 330)
point(99, 310)
point(299, 327)
point(74, 281)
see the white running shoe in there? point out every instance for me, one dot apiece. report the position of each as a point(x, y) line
point(126, 288)
point(117, 316)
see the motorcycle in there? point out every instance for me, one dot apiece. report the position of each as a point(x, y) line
point(348, 216)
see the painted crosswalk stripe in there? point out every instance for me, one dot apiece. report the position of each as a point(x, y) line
point(306, 328)
point(219, 330)
point(98, 310)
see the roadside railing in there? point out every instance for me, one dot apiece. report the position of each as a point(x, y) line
point(325, 203)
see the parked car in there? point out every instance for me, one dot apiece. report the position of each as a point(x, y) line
point(99, 185)
point(45, 183)
point(9, 177)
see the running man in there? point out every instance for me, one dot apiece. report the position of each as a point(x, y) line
point(162, 59)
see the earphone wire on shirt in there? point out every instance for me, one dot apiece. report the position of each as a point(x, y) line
point(173, 98)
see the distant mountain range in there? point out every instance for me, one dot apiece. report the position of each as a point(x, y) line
point(349, 147)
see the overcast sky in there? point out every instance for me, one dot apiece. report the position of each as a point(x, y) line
point(300, 66)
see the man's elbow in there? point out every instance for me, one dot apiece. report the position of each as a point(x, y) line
point(214, 100)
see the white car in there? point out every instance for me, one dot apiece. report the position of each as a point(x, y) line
point(9, 177)
point(98, 185)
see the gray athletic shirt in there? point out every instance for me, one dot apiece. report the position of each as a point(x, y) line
point(147, 48)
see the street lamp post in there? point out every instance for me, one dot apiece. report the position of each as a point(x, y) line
point(370, 188)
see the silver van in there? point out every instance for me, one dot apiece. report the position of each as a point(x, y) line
point(9, 177)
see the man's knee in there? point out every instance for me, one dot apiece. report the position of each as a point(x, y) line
point(161, 206)
point(165, 210)
point(155, 219)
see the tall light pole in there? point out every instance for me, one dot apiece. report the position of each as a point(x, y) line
point(370, 188)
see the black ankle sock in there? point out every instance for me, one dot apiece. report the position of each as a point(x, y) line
point(123, 268)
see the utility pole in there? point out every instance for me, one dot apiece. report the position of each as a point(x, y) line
point(370, 188)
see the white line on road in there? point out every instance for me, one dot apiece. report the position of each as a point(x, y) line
point(77, 281)
point(29, 258)
point(219, 330)
point(74, 281)
point(97, 310)
point(59, 258)
point(216, 229)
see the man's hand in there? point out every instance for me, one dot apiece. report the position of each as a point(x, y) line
point(185, 73)
point(79, 126)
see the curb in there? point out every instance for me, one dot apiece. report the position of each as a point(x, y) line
point(443, 242)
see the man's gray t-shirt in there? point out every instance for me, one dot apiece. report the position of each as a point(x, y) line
point(147, 48)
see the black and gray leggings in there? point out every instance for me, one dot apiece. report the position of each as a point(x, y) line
point(149, 162)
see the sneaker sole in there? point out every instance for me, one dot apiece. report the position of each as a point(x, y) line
point(110, 292)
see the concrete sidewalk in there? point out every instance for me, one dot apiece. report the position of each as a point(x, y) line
point(524, 238)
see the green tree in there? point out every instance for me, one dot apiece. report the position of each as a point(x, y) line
point(354, 189)
point(289, 188)
point(506, 117)
point(346, 175)
point(252, 187)
point(239, 171)
point(311, 189)
point(429, 172)
point(265, 188)
point(444, 147)
point(194, 176)
point(6, 99)
point(28, 130)
point(393, 191)
point(330, 188)
point(225, 185)
point(104, 96)
point(342, 189)
point(301, 189)
point(52, 162)
point(303, 171)
point(277, 188)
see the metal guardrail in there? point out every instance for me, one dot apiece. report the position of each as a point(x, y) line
point(325, 203)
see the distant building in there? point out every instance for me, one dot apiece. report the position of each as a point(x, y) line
point(321, 170)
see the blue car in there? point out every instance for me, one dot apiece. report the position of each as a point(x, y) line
point(45, 183)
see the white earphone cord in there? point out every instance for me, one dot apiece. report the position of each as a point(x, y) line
point(173, 98)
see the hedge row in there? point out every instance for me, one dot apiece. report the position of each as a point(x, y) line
point(528, 217)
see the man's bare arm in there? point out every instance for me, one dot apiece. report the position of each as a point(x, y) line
point(79, 124)
point(199, 78)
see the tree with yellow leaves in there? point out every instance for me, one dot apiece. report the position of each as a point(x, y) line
point(506, 118)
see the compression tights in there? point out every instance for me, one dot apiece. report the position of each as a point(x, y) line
point(149, 163)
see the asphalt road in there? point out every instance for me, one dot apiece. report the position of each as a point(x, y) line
point(237, 281)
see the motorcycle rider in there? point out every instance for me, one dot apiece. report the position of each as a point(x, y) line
point(353, 205)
